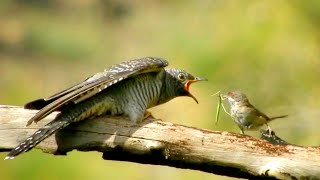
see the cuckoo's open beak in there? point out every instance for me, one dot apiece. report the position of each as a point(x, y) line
point(188, 83)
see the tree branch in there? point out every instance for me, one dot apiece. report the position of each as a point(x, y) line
point(164, 143)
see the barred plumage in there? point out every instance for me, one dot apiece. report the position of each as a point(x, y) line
point(144, 84)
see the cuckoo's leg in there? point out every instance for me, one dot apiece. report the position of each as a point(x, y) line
point(148, 114)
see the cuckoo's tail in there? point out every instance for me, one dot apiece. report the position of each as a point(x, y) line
point(38, 136)
point(278, 117)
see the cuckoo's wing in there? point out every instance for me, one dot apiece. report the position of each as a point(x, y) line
point(97, 83)
point(41, 103)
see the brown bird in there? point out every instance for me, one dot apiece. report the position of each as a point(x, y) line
point(244, 114)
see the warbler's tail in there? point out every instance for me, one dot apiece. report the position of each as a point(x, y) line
point(278, 117)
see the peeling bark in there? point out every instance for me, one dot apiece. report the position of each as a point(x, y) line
point(163, 143)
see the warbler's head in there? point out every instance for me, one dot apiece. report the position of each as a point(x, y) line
point(235, 97)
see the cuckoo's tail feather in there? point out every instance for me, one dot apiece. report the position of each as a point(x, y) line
point(37, 137)
point(278, 117)
point(71, 114)
point(37, 104)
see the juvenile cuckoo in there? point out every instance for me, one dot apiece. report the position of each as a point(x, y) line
point(128, 89)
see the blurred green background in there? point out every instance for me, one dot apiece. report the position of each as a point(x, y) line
point(269, 49)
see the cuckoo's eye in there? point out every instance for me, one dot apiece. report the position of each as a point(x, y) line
point(182, 77)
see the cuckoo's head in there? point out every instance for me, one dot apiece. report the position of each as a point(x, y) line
point(181, 81)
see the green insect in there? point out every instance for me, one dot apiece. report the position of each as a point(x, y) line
point(220, 104)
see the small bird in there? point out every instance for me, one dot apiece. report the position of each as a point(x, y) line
point(128, 88)
point(244, 114)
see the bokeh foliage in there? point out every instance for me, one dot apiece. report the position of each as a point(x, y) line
point(269, 49)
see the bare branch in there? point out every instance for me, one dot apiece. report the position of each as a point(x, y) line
point(164, 143)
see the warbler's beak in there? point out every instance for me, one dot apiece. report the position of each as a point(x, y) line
point(220, 95)
point(188, 83)
point(224, 96)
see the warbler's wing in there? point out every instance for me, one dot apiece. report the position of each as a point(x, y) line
point(262, 115)
point(96, 84)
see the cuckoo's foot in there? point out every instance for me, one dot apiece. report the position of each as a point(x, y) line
point(148, 114)
point(241, 131)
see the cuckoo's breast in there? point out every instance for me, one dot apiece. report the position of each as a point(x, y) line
point(133, 94)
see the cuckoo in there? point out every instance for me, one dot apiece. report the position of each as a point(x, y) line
point(128, 88)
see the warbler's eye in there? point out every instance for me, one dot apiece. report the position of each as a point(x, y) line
point(182, 77)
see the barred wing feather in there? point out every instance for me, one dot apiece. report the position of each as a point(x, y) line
point(96, 84)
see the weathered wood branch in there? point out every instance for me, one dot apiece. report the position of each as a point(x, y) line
point(164, 143)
